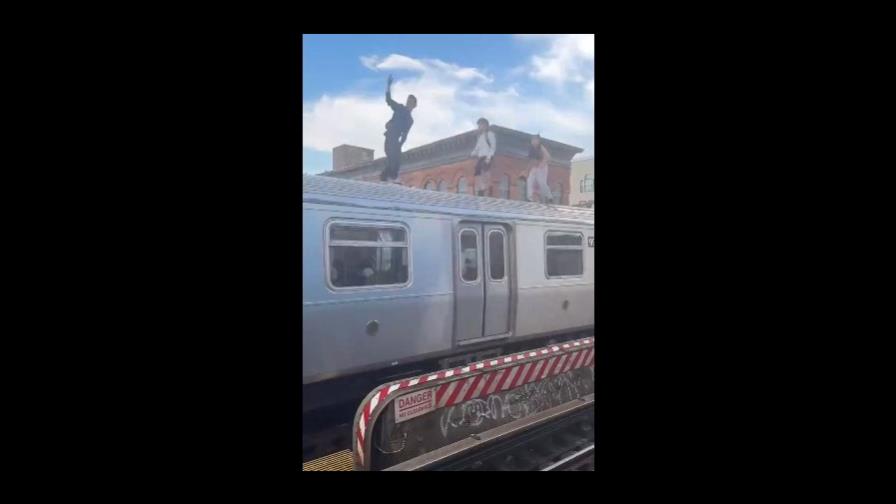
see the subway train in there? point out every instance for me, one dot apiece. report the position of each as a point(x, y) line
point(400, 281)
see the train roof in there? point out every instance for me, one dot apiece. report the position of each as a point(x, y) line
point(320, 189)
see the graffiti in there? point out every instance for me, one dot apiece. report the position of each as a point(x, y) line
point(518, 403)
point(472, 413)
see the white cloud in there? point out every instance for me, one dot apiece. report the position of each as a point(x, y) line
point(518, 70)
point(400, 62)
point(478, 92)
point(459, 72)
point(450, 99)
point(395, 62)
point(567, 59)
point(369, 61)
point(332, 121)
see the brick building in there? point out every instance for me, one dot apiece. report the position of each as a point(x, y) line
point(446, 165)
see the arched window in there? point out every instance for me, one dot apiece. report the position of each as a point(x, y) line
point(430, 186)
point(443, 186)
point(504, 187)
point(521, 185)
point(462, 186)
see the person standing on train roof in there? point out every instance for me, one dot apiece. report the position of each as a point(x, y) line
point(538, 173)
point(396, 133)
point(484, 152)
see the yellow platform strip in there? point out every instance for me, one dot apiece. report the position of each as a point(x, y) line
point(339, 461)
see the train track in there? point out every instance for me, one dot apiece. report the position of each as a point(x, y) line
point(567, 448)
point(581, 460)
point(324, 441)
point(562, 440)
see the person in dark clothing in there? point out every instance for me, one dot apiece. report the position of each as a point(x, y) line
point(396, 132)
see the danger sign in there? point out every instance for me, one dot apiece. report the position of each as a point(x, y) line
point(415, 404)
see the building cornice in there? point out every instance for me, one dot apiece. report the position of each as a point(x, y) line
point(511, 143)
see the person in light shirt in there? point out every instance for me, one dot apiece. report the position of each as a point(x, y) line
point(537, 182)
point(484, 152)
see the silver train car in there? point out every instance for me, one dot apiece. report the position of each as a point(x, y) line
point(401, 280)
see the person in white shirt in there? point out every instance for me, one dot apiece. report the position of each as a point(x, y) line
point(538, 174)
point(484, 152)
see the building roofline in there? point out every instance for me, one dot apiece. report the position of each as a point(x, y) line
point(454, 143)
point(350, 145)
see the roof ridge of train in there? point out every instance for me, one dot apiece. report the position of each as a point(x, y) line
point(394, 193)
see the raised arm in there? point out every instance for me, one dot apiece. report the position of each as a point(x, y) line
point(392, 103)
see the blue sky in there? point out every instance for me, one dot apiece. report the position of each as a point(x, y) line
point(534, 83)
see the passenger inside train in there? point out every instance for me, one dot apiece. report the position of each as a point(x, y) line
point(364, 266)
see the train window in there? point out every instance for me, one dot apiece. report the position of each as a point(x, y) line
point(469, 255)
point(369, 233)
point(554, 238)
point(564, 254)
point(363, 255)
point(496, 255)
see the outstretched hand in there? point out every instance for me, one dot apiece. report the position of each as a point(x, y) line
point(389, 80)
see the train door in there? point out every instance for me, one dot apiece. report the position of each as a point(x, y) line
point(482, 282)
point(497, 283)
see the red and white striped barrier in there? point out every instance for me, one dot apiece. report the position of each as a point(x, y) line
point(476, 380)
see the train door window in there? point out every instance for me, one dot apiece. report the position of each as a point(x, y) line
point(564, 254)
point(496, 255)
point(469, 255)
point(365, 255)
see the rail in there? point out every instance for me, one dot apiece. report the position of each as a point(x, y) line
point(561, 438)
